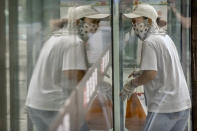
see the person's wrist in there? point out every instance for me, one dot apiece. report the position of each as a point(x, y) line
point(128, 86)
point(133, 83)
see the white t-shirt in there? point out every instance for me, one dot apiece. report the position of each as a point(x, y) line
point(168, 92)
point(98, 42)
point(49, 87)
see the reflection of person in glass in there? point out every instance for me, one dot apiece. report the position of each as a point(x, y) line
point(95, 47)
point(185, 21)
point(61, 65)
point(100, 110)
point(166, 90)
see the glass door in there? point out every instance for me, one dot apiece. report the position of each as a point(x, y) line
point(87, 89)
point(171, 14)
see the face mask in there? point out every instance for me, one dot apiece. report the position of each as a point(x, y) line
point(141, 29)
point(86, 30)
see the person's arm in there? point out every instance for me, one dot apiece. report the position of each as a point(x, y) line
point(145, 77)
point(129, 87)
point(74, 63)
point(75, 74)
point(186, 21)
point(148, 71)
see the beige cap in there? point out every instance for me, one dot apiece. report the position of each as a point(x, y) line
point(85, 11)
point(143, 10)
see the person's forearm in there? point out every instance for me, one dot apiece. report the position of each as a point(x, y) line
point(144, 78)
point(75, 74)
point(80, 75)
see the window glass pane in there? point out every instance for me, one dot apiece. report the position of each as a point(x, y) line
point(69, 46)
point(51, 46)
point(22, 45)
point(137, 54)
point(58, 64)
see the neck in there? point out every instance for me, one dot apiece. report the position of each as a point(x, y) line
point(156, 30)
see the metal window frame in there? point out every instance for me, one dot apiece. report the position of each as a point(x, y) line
point(14, 64)
point(117, 122)
point(3, 79)
point(194, 62)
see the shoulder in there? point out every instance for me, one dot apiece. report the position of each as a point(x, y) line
point(152, 38)
point(155, 39)
point(149, 41)
point(71, 38)
point(67, 40)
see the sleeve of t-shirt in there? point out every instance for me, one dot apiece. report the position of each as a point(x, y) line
point(149, 58)
point(74, 58)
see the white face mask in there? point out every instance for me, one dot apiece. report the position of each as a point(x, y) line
point(141, 29)
point(86, 30)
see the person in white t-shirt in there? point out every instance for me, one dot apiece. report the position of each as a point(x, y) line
point(166, 90)
point(98, 42)
point(61, 65)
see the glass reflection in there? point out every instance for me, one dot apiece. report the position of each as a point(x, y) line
point(36, 22)
point(141, 28)
point(61, 64)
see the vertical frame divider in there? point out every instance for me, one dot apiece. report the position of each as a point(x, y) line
point(14, 64)
point(194, 63)
point(3, 92)
point(117, 106)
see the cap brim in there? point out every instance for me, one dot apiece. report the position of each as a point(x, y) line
point(131, 15)
point(98, 16)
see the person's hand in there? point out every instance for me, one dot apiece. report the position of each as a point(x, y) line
point(135, 74)
point(127, 90)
